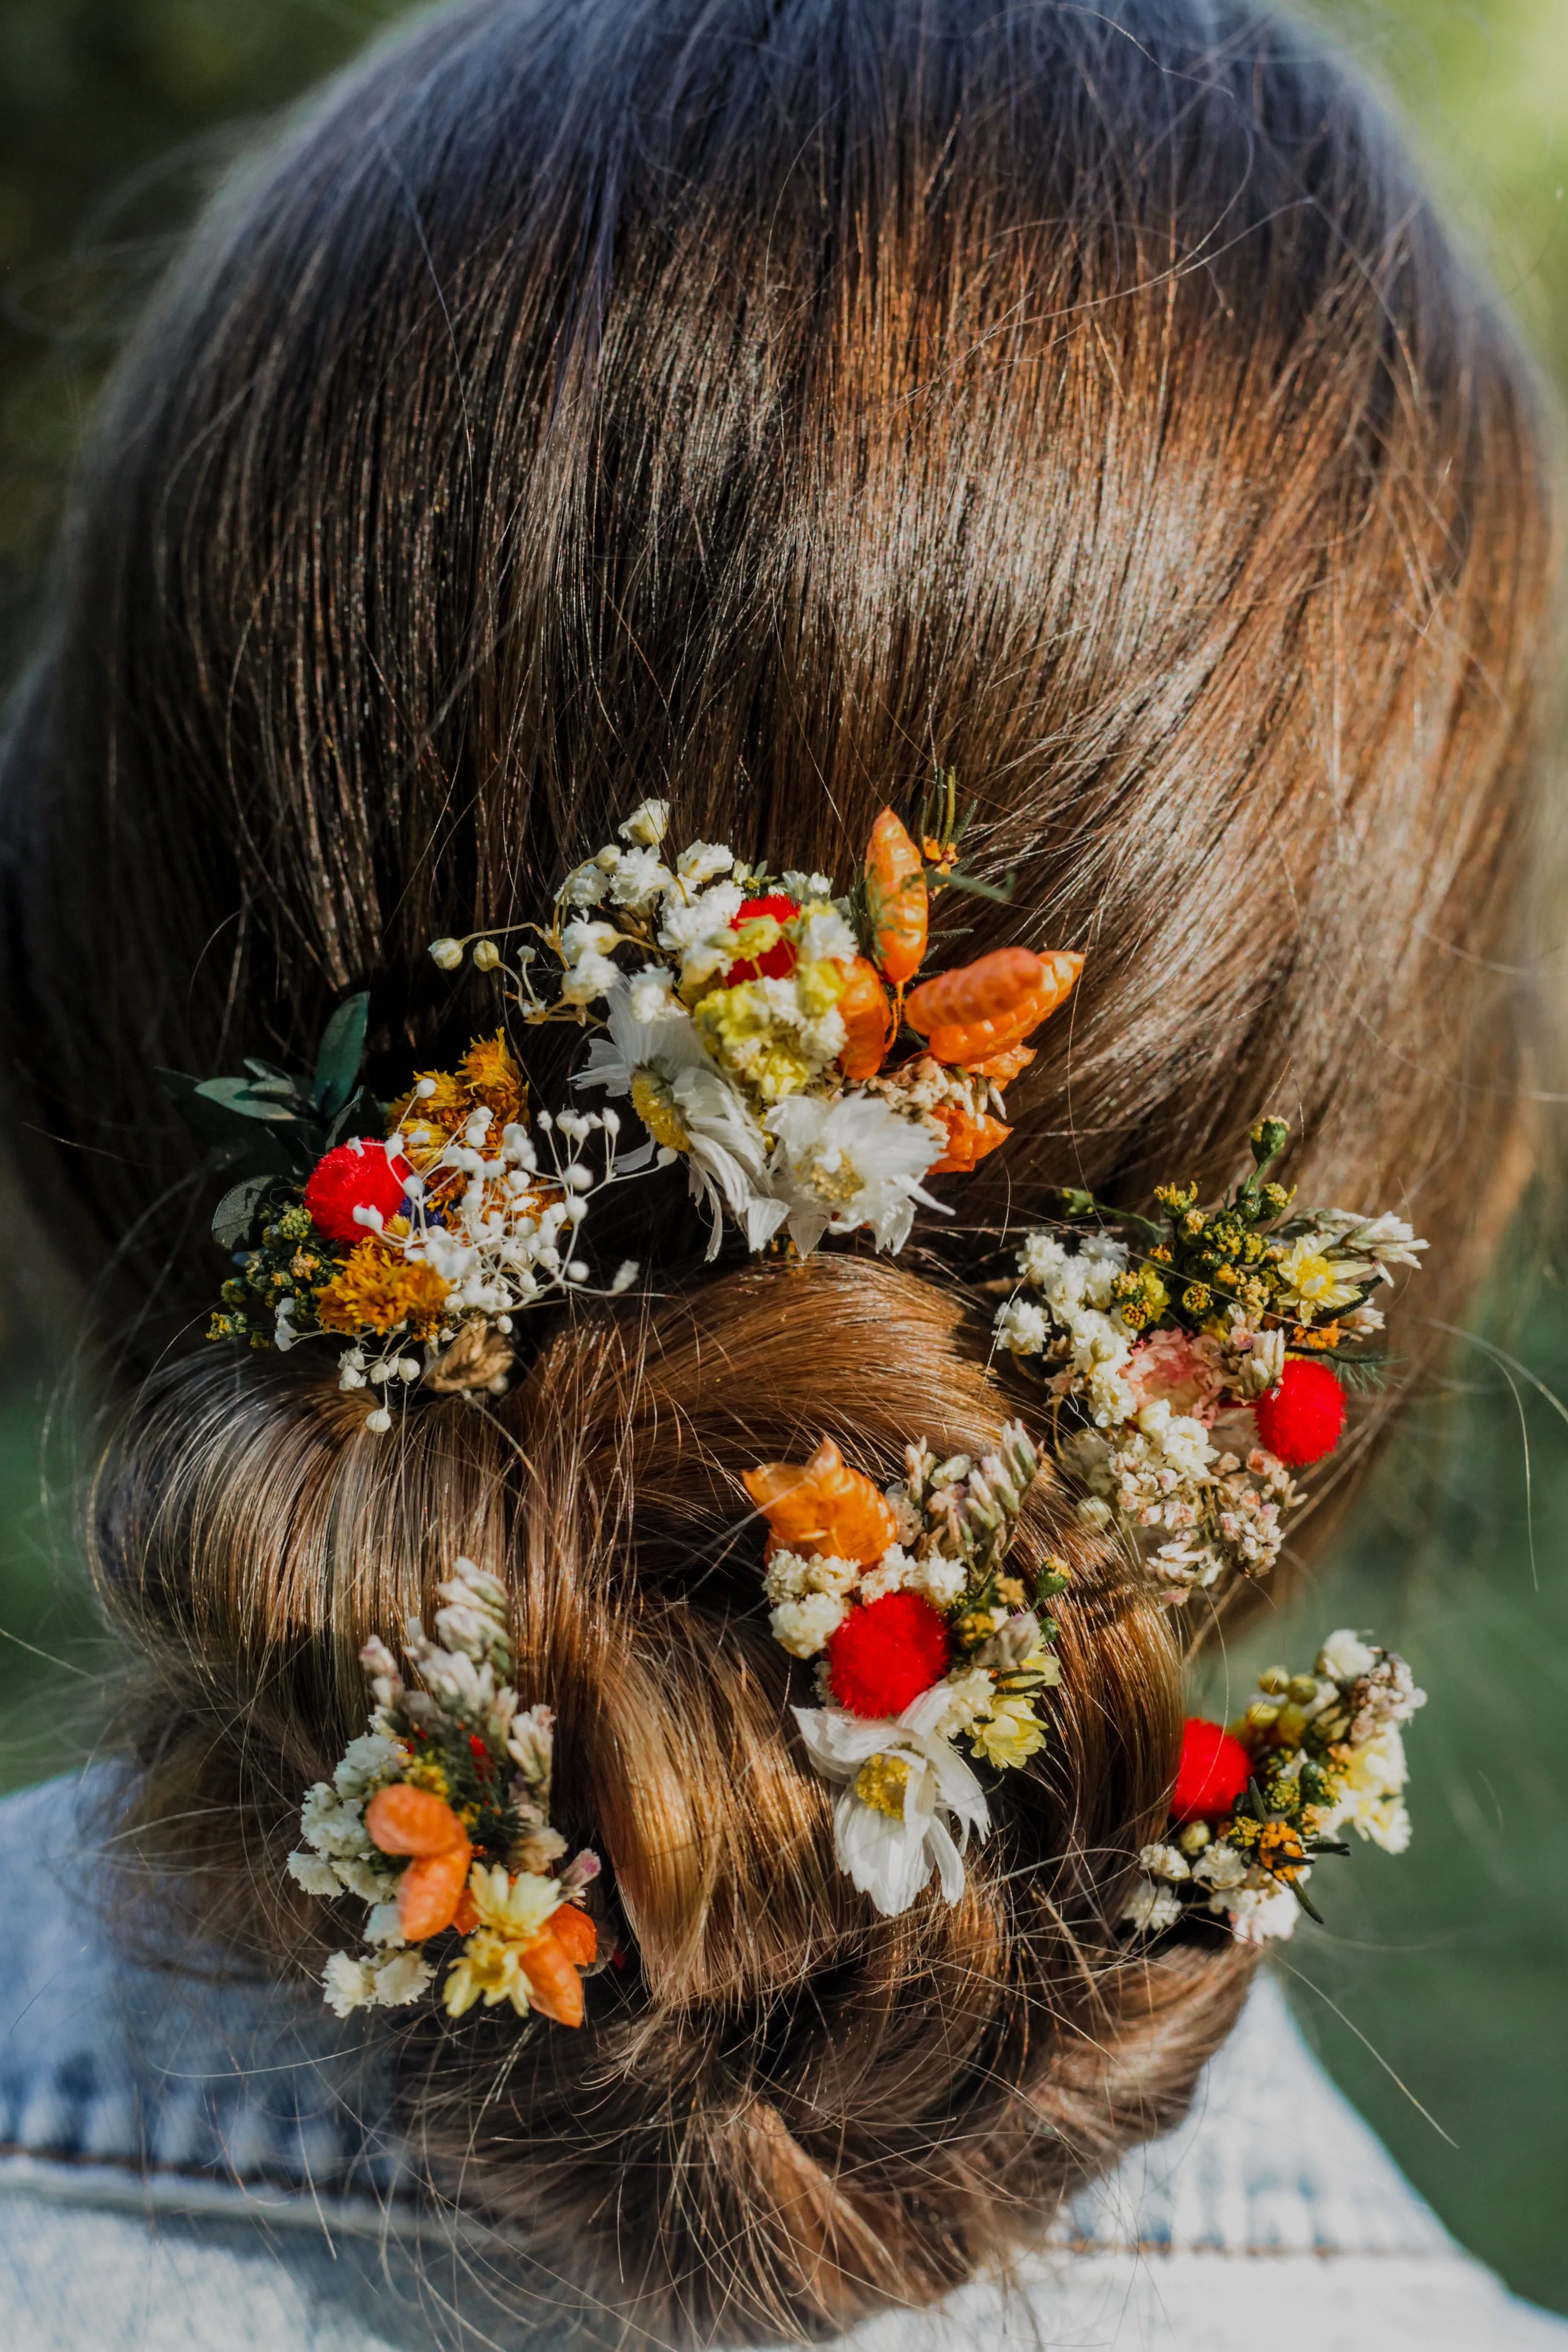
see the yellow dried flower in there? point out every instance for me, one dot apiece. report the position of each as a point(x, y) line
point(379, 1290)
point(1011, 1734)
point(493, 1077)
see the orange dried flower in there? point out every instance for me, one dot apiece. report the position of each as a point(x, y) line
point(493, 1077)
point(822, 1507)
point(897, 900)
point(867, 1019)
point(969, 1139)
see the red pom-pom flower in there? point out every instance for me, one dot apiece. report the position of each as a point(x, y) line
point(1214, 1770)
point(884, 1654)
point(1303, 1417)
point(776, 963)
point(357, 1175)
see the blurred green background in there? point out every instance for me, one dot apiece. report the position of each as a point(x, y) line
point(1443, 1972)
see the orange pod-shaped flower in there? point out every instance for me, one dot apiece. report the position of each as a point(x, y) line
point(431, 1890)
point(576, 1934)
point(973, 1015)
point(1004, 1067)
point(867, 1019)
point(969, 1139)
point(897, 900)
point(554, 1986)
point(405, 1819)
point(823, 1507)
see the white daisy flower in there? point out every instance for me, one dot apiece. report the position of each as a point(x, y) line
point(1315, 1278)
point(687, 1108)
point(904, 1790)
point(850, 1162)
point(1386, 1240)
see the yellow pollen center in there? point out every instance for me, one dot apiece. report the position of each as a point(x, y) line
point(880, 1783)
point(836, 1179)
point(1313, 1275)
point(655, 1106)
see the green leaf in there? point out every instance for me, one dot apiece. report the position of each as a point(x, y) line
point(238, 1140)
point(247, 1099)
point(342, 1051)
point(360, 1114)
point(235, 1213)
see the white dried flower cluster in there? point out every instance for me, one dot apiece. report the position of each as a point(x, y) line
point(1197, 1359)
point(500, 1228)
point(1147, 1459)
point(745, 1024)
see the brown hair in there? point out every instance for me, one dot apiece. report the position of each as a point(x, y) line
point(755, 403)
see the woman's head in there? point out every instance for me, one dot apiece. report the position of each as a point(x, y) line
point(760, 406)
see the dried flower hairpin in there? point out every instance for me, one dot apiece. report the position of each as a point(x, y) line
point(752, 1027)
point(438, 1818)
point(924, 1639)
point(1255, 1807)
point(1196, 1361)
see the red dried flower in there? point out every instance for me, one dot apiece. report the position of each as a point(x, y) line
point(1303, 1417)
point(776, 963)
point(357, 1175)
point(1214, 1770)
point(886, 1654)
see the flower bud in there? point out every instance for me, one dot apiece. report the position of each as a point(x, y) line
point(448, 953)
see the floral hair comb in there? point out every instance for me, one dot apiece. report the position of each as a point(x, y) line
point(1255, 1806)
point(438, 1818)
point(923, 1640)
point(761, 1028)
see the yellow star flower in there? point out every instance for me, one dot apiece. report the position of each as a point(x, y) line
point(1011, 1734)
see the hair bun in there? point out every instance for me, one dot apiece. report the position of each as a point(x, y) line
point(777, 2073)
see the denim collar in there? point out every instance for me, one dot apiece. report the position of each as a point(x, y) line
point(194, 2093)
point(195, 2081)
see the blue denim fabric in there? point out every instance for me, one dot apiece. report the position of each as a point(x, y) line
point(204, 2165)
